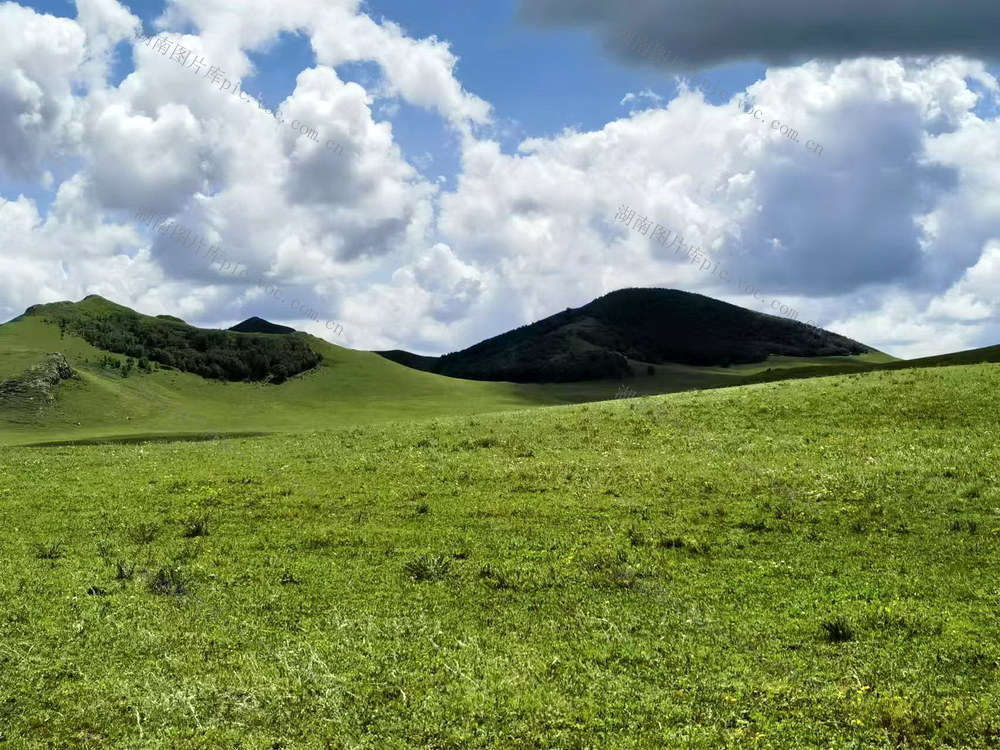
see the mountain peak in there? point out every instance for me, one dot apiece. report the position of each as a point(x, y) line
point(259, 325)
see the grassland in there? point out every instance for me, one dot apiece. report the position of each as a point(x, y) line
point(574, 577)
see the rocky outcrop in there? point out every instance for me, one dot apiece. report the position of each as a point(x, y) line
point(37, 385)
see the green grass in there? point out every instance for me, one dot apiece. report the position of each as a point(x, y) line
point(804, 564)
point(876, 361)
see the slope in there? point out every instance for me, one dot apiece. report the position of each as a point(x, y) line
point(346, 387)
point(624, 332)
point(983, 355)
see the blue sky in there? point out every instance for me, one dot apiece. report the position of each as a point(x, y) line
point(531, 77)
point(434, 230)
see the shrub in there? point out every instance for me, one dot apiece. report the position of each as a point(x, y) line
point(223, 355)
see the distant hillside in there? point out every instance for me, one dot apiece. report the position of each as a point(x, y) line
point(222, 355)
point(984, 355)
point(259, 325)
point(416, 361)
point(656, 326)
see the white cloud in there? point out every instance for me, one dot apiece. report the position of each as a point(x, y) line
point(822, 233)
point(890, 235)
point(40, 59)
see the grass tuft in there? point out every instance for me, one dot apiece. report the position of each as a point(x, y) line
point(124, 571)
point(837, 630)
point(168, 582)
point(427, 567)
point(49, 551)
point(144, 533)
point(192, 527)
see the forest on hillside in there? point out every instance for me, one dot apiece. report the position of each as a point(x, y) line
point(221, 355)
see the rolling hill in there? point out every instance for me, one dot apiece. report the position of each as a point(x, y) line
point(68, 372)
point(106, 397)
point(624, 332)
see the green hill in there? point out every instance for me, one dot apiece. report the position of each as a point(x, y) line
point(109, 398)
point(804, 564)
point(646, 326)
point(111, 395)
point(222, 355)
point(137, 376)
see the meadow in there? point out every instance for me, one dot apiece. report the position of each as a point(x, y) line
point(566, 577)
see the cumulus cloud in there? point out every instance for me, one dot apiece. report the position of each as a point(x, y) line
point(283, 204)
point(782, 31)
point(833, 235)
point(40, 60)
point(891, 235)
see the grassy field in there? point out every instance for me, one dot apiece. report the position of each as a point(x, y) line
point(805, 564)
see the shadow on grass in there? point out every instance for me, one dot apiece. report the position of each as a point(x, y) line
point(180, 437)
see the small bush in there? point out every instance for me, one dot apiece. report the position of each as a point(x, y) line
point(837, 630)
point(422, 509)
point(427, 568)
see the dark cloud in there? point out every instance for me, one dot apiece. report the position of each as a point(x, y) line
point(707, 32)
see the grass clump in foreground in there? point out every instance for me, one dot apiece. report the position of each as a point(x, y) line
point(585, 577)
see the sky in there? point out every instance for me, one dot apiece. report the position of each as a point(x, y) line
point(390, 174)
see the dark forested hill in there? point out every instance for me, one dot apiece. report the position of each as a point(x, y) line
point(211, 353)
point(647, 325)
point(259, 325)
